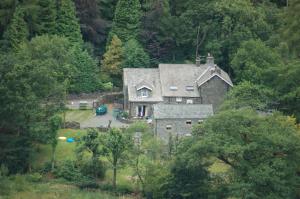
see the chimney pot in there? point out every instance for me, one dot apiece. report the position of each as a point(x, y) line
point(210, 60)
point(198, 61)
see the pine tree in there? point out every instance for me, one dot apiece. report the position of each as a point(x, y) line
point(46, 17)
point(17, 31)
point(291, 30)
point(126, 23)
point(67, 24)
point(112, 59)
point(135, 56)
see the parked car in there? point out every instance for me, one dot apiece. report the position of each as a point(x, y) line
point(101, 110)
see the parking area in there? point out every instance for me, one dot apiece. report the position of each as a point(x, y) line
point(103, 120)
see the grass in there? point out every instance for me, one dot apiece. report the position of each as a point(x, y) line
point(23, 189)
point(79, 115)
point(64, 150)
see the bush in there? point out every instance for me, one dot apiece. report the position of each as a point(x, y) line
point(120, 189)
point(34, 177)
point(107, 86)
point(68, 170)
point(93, 169)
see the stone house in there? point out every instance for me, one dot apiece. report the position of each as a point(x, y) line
point(178, 119)
point(174, 84)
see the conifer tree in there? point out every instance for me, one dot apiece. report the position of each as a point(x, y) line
point(112, 59)
point(126, 22)
point(135, 56)
point(46, 17)
point(17, 32)
point(67, 23)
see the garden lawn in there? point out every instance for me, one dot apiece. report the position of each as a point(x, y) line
point(79, 115)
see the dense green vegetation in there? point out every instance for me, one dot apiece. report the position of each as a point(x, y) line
point(50, 48)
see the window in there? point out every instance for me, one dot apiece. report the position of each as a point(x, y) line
point(173, 88)
point(169, 127)
point(200, 121)
point(189, 88)
point(188, 122)
point(144, 93)
point(189, 101)
point(178, 99)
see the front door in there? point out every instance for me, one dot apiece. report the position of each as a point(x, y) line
point(142, 111)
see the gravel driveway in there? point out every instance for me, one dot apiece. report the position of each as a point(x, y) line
point(103, 121)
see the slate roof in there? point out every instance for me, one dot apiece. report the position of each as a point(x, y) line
point(210, 72)
point(180, 76)
point(135, 77)
point(170, 80)
point(182, 111)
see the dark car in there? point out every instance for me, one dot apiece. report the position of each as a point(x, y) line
point(101, 110)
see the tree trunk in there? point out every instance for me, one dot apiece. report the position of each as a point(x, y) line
point(115, 177)
point(53, 159)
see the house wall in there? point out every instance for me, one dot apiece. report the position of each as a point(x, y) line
point(133, 106)
point(179, 127)
point(172, 100)
point(213, 92)
point(125, 92)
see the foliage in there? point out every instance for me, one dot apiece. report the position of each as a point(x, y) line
point(115, 143)
point(126, 22)
point(111, 63)
point(287, 83)
point(253, 61)
point(55, 123)
point(85, 78)
point(46, 17)
point(135, 56)
point(33, 86)
point(263, 160)
point(66, 23)
point(249, 95)
point(291, 30)
point(91, 143)
point(17, 32)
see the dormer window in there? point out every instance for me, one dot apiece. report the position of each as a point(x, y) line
point(173, 88)
point(144, 92)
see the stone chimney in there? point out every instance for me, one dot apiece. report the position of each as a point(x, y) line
point(210, 60)
point(198, 61)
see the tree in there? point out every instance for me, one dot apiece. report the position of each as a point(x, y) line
point(33, 87)
point(67, 23)
point(85, 78)
point(115, 143)
point(262, 152)
point(253, 61)
point(287, 84)
point(55, 123)
point(249, 95)
point(91, 143)
point(126, 22)
point(17, 32)
point(46, 23)
point(291, 30)
point(135, 56)
point(112, 60)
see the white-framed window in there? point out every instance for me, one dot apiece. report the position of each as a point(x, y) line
point(173, 88)
point(178, 99)
point(169, 127)
point(188, 122)
point(189, 88)
point(144, 93)
point(200, 121)
point(189, 101)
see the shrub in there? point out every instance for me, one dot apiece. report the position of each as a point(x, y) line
point(93, 169)
point(68, 170)
point(34, 177)
point(107, 86)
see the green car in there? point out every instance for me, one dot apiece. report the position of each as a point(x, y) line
point(101, 110)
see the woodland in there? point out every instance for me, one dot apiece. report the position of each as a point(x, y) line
point(250, 149)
